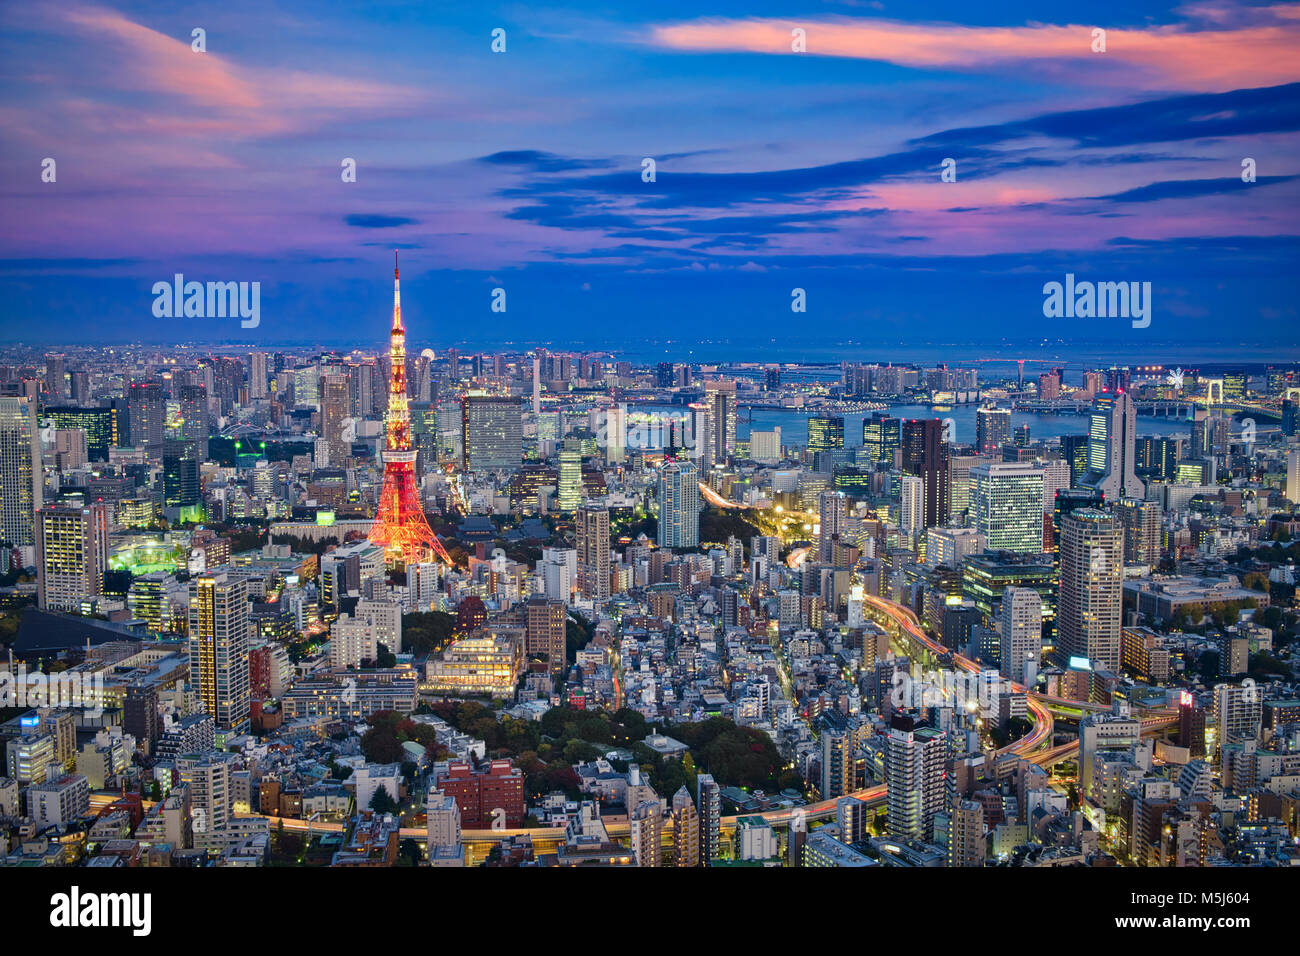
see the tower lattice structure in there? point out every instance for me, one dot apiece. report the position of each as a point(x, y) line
point(400, 526)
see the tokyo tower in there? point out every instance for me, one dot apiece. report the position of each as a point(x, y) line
point(401, 527)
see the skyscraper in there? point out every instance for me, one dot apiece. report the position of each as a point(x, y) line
point(1021, 637)
point(911, 506)
point(194, 417)
point(219, 632)
point(1293, 476)
point(424, 435)
point(1074, 449)
point(720, 397)
point(1140, 520)
point(925, 454)
point(1091, 595)
point(832, 516)
point(99, 424)
point(568, 494)
point(492, 433)
point(825, 432)
point(1007, 500)
point(593, 552)
point(679, 505)
point(335, 410)
point(71, 555)
point(881, 436)
point(615, 422)
point(992, 430)
point(1112, 441)
point(257, 375)
point(146, 409)
point(181, 486)
point(56, 376)
point(1067, 500)
point(21, 483)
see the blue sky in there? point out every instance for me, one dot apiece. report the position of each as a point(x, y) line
point(775, 170)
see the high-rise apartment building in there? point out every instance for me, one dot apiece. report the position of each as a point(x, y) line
point(765, 445)
point(71, 555)
point(645, 830)
point(709, 806)
point(335, 410)
point(1021, 634)
point(832, 510)
point(686, 829)
point(679, 505)
point(21, 483)
point(1293, 476)
point(1091, 588)
point(915, 761)
point(839, 754)
point(992, 430)
point(257, 387)
point(146, 411)
point(911, 506)
point(211, 793)
point(219, 644)
point(1140, 520)
point(544, 631)
point(720, 399)
point(615, 429)
point(593, 552)
point(1238, 712)
point(966, 839)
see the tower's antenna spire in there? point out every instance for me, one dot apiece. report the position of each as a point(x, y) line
point(394, 263)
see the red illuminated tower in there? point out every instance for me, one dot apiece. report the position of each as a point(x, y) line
point(401, 526)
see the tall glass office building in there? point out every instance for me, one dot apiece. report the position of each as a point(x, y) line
point(1008, 502)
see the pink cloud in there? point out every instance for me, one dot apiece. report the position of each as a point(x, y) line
point(156, 62)
point(240, 100)
point(1177, 56)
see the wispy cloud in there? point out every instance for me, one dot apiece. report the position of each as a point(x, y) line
point(1189, 55)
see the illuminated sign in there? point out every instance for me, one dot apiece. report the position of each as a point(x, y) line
point(325, 518)
point(1080, 664)
point(1185, 699)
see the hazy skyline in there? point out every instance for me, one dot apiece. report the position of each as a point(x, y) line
point(522, 170)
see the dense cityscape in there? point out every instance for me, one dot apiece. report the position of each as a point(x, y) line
point(387, 608)
point(790, 438)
